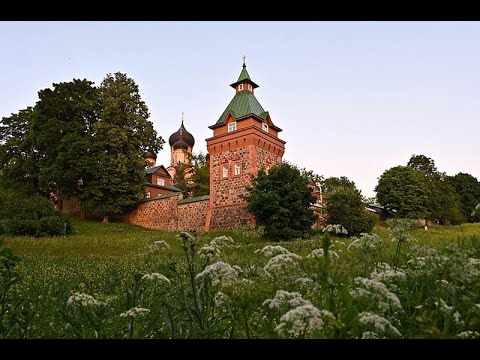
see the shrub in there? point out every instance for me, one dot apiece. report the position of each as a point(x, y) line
point(30, 215)
point(345, 207)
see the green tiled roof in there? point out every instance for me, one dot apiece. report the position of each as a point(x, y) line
point(173, 188)
point(194, 199)
point(152, 169)
point(243, 103)
point(244, 77)
point(161, 196)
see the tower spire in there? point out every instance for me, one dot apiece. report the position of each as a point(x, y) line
point(244, 57)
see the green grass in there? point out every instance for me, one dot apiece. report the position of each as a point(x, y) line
point(102, 260)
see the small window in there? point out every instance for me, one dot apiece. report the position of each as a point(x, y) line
point(147, 194)
point(232, 126)
point(240, 87)
point(250, 87)
point(225, 171)
point(161, 181)
point(237, 168)
point(265, 127)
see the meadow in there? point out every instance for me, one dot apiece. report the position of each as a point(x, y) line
point(123, 281)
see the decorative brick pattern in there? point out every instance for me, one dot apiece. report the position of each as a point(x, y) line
point(264, 158)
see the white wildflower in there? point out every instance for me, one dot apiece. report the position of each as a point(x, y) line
point(219, 272)
point(162, 244)
point(84, 300)
point(270, 250)
point(367, 243)
point(282, 297)
point(469, 334)
point(443, 307)
point(134, 312)
point(370, 335)
point(220, 298)
point(187, 240)
point(282, 263)
point(304, 281)
point(385, 273)
point(336, 229)
point(156, 276)
point(378, 322)
point(222, 241)
point(456, 318)
point(302, 320)
point(208, 252)
point(377, 292)
point(316, 253)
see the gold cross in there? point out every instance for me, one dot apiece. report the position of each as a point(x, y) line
point(182, 115)
point(244, 57)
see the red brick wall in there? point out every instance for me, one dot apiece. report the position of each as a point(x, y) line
point(160, 214)
point(228, 191)
point(191, 216)
point(230, 217)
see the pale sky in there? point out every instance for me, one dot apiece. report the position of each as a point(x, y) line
point(353, 98)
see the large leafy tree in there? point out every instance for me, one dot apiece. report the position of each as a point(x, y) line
point(443, 203)
point(193, 177)
point(281, 201)
point(468, 189)
point(62, 127)
point(19, 159)
point(404, 190)
point(345, 206)
point(332, 183)
point(121, 137)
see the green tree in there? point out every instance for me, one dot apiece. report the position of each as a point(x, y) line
point(180, 179)
point(443, 203)
point(281, 201)
point(121, 137)
point(200, 179)
point(468, 189)
point(19, 159)
point(345, 206)
point(422, 163)
point(403, 189)
point(62, 129)
point(332, 183)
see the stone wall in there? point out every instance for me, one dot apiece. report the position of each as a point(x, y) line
point(192, 215)
point(229, 190)
point(230, 217)
point(159, 214)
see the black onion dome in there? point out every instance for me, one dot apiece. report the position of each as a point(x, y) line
point(182, 134)
point(180, 144)
point(151, 155)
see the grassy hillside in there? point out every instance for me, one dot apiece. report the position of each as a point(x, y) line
point(346, 288)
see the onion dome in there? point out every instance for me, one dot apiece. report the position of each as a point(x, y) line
point(182, 135)
point(180, 144)
point(151, 155)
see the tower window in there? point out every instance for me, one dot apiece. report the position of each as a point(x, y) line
point(240, 87)
point(147, 194)
point(225, 171)
point(265, 127)
point(232, 126)
point(250, 87)
point(161, 181)
point(237, 168)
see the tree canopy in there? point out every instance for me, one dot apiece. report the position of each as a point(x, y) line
point(81, 140)
point(468, 189)
point(281, 201)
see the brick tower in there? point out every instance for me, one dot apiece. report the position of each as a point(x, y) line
point(244, 140)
